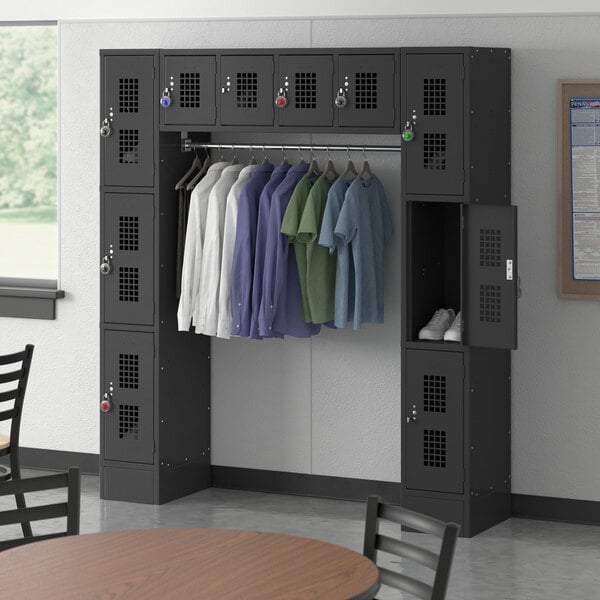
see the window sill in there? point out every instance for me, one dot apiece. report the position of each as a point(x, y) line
point(29, 302)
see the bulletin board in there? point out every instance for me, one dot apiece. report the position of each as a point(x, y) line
point(579, 189)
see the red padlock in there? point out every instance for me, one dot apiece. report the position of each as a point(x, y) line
point(106, 404)
point(281, 99)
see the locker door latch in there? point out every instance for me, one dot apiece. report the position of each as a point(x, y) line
point(509, 269)
point(106, 265)
point(413, 414)
point(408, 133)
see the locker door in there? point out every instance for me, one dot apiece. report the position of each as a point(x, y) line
point(491, 311)
point(433, 88)
point(191, 81)
point(128, 372)
point(128, 290)
point(129, 104)
point(434, 439)
point(308, 83)
point(247, 90)
point(368, 84)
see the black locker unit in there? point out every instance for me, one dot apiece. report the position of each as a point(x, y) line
point(155, 385)
point(459, 251)
point(458, 240)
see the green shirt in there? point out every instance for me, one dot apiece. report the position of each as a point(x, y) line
point(320, 265)
point(289, 226)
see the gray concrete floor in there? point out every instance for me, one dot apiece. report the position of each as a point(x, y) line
point(516, 560)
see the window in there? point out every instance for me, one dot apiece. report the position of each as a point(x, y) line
point(28, 153)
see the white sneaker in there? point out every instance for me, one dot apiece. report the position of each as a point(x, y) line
point(438, 324)
point(453, 333)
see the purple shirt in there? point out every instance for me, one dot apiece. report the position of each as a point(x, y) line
point(264, 207)
point(243, 251)
point(281, 305)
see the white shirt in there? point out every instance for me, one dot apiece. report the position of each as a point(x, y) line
point(228, 243)
point(206, 309)
point(194, 238)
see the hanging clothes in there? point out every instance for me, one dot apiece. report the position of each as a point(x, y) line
point(281, 304)
point(364, 223)
point(183, 208)
point(343, 291)
point(207, 307)
point(320, 265)
point(264, 208)
point(243, 253)
point(229, 231)
point(194, 239)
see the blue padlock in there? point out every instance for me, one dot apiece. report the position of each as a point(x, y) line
point(165, 99)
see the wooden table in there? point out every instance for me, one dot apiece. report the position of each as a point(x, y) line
point(183, 564)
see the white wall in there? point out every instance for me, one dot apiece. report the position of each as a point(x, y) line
point(271, 9)
point(342, 417)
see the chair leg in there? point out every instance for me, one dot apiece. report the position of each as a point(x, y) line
point(20, 498)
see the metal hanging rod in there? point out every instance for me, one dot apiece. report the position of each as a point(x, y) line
point(188, 145)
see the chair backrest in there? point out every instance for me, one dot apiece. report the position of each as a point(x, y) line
point(68, 509)
point(19, 376)
point(440, 562)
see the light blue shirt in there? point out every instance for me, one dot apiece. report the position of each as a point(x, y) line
point(364, 223)
point(344, 273)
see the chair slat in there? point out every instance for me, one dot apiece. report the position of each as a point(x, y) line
point(33, 484)
point(6, 544)
point(12, 376)
point(33, 513)
point(406, 550)
point(411, 519)
point(9, 395)
point(8, 359)
point(405, 583)
point(6, 415)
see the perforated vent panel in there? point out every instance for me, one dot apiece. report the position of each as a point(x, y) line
point(129, 146)
point(490, 303)
point(434, 448)
point(129, 419)
point(247, 90)
point(490, 247)
point(129, 95)
point(189, 90)
point(129, 371)
point(434, 393)
point(129, 284)
point(366, 91)
point(434, 151)
point(129, 233)
point(434, 97)
point(306, 90)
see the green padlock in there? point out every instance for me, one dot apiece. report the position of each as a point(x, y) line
point(408, 135)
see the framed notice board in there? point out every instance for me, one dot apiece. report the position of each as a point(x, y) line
point(579, 189)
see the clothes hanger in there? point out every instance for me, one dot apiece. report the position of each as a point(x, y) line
point(301, 156)
point(366, 169)
point(252, 157)
point(313, 167)
point(350, 168)
point(192, 184)
point(284, 160)
point(196, 164)
point(234, 160)
point(265, 159)
point(330, 167)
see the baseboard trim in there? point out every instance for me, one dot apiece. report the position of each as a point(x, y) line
point(57, 460)
point(302, 484)
point(547, 508)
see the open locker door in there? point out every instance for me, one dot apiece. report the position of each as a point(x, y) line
point(491, 308)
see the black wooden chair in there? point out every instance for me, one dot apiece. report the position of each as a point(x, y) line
point(440, 563)
point(69, 509)
point(17, 377)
